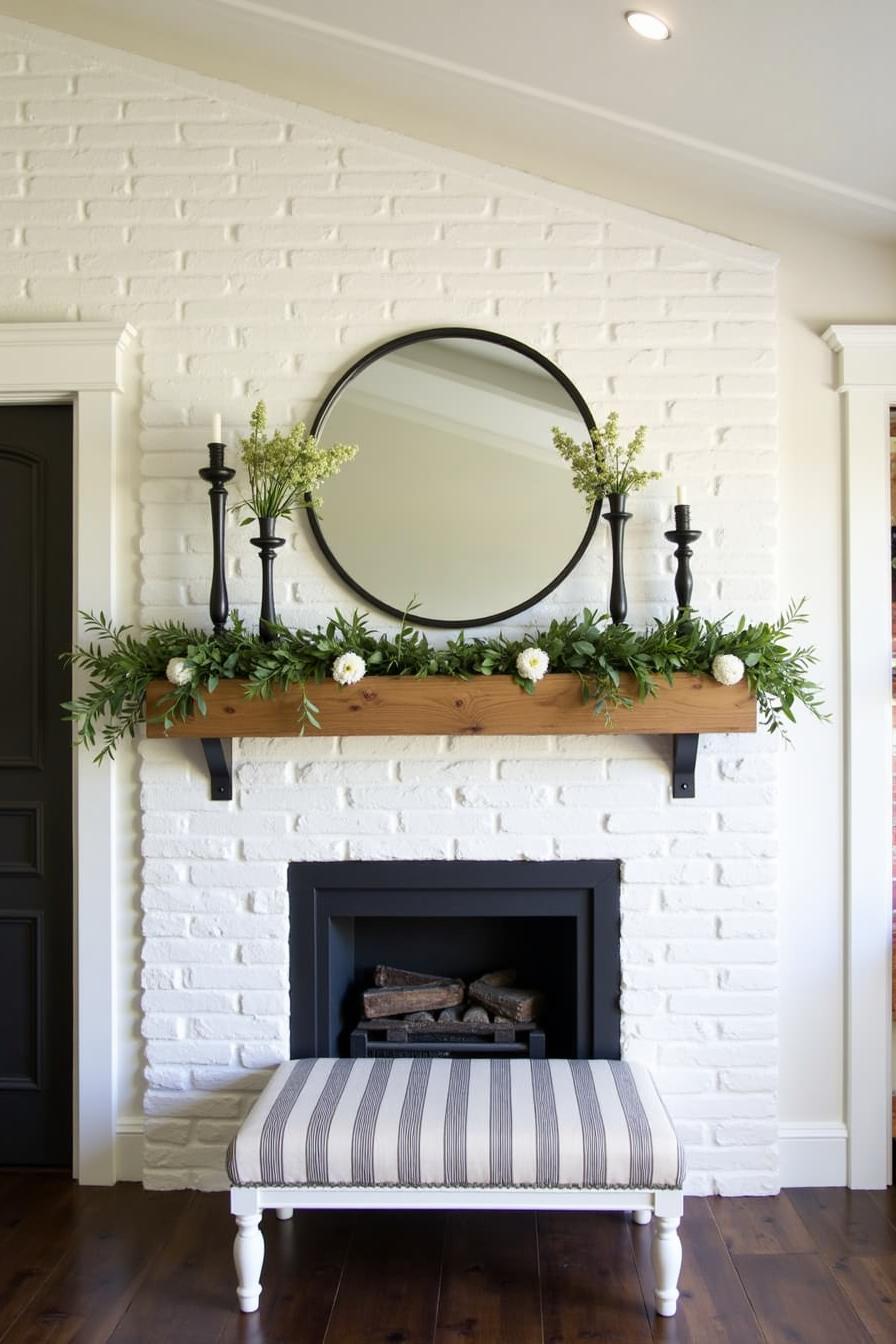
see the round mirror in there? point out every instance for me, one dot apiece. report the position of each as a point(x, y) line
point(457, 499)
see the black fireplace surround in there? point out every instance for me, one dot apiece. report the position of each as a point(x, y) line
point(556, 922)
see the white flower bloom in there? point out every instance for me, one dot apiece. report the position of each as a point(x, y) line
point(179, 671)
point(348, 668)
point(532, 663)
point(728, 669)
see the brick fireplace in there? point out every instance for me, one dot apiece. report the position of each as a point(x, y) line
point(698, 948)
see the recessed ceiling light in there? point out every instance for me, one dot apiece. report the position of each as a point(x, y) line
point(648, 25)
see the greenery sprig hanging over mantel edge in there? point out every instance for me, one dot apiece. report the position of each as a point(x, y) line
point(121, 663)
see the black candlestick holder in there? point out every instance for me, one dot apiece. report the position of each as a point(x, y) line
point(217, 476)
point(683, 535)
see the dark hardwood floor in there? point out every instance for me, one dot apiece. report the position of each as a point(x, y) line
point(86, 1266)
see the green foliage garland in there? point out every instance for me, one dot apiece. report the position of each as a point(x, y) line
point(120, 665)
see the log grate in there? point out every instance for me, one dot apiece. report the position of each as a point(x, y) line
point(396, 1038)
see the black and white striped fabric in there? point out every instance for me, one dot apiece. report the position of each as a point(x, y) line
point(539, 1123)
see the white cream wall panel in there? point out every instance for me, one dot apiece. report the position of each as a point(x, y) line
point(259, 249)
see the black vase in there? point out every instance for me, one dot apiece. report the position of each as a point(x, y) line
point(617, 517)
point(268, 546)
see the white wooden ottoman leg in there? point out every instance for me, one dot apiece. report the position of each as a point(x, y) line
point(284, 1214)
point(665, 1256)
point(248, 1257)
point(641, 1216)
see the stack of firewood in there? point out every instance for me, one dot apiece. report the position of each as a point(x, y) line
point(416, 997)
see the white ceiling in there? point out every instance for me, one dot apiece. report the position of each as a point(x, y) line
point(786, 102)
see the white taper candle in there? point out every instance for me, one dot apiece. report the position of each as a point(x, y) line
point(216, 427)
point(681, 495)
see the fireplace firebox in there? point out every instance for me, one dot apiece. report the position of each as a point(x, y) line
point(556, 923)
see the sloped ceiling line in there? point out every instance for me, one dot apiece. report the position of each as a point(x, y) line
point(258, 9)
point(587, 203)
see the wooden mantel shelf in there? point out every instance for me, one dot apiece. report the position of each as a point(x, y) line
point(447, 706)
point(440, 706)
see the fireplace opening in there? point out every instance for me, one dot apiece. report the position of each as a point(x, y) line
point(555, 923)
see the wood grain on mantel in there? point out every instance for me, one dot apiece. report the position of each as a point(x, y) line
point(446, 706)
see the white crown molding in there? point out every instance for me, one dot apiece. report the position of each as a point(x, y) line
point(72, 333)
point(73, 357)
point(866, 356)
point(709, 148)
point(842, 337)
point(509, 179)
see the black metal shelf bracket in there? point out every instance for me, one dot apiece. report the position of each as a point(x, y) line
point(684, 764)
point(220, 773)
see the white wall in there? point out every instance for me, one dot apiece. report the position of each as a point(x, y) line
point(117, 155)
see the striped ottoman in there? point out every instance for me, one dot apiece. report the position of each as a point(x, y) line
point(440, 1133)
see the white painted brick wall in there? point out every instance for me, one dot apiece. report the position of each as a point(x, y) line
point(259, 250)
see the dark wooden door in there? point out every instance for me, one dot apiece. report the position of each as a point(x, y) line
point(35, 787)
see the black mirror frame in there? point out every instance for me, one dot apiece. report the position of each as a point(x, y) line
point(435, 334)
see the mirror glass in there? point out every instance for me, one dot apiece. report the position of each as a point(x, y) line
point(457, 499)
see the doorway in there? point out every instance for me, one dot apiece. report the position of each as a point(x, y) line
point(35, 787)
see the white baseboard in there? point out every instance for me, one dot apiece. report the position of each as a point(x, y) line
point(809, 1154)
point(129, 1148)
point(812, 1154)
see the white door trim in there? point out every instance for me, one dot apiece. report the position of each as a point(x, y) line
point(866, 380)
point(83, 363)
